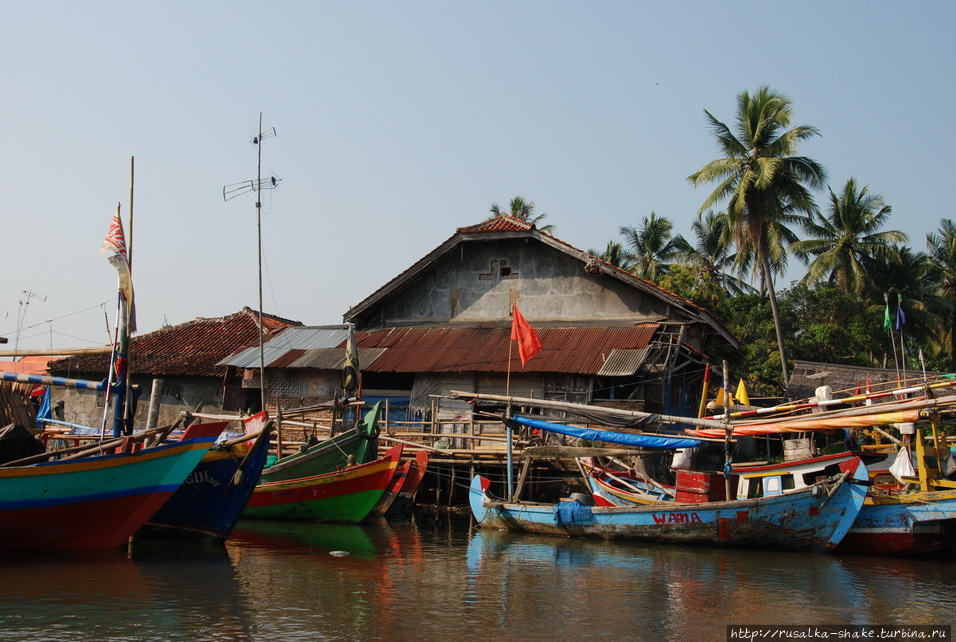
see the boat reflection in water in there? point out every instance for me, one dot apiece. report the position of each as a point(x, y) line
point(155, 591)
point(693, 592)
point(435, 578)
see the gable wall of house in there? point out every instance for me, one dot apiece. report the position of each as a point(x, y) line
point(480, 282)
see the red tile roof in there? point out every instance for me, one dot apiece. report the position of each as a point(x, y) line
point(502, 223)
point(189, 349)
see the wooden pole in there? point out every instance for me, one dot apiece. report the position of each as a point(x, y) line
point(262, 359)
point(703, 393)
point(155, 403)
point(728, 432)
point(129, 247)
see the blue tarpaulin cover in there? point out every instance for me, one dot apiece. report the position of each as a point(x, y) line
point(572, 512)
point(592, 434)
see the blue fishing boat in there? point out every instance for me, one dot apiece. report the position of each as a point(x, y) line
point(211, 500)
point(813, 519)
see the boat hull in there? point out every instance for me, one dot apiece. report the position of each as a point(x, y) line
point(401, 505)
point(815, 519)
point(359, 443)
point(93, 502)
point(346, 496)
point(211, 499)
point(920, 523)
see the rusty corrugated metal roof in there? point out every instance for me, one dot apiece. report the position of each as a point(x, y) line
point(572, 350)
point(578, 350)
point(334, 358)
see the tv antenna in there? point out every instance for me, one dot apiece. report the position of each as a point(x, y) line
point(22, 315)
point(230, 192)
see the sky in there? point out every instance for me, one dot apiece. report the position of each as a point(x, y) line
point(398, 122)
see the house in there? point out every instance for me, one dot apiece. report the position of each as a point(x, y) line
point(444, 324)
point(185, 358)
point(845, 381)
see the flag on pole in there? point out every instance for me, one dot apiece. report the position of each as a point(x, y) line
point(887, 318)
point(522, 332)
point(350, 371)
point(900, 315)
point(742, 396)
point(719, 399)
point(115, 242)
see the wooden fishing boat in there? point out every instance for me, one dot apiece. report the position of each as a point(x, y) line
point(400, 495)
point(814, 519)
point(356, 445)
point(92, 502)
point(401, 505)
point(918, 523)
point(346, 495)
point(916, 519)
point(892, 521)
point(391, 493)
point(622, 488)
point(213, 496)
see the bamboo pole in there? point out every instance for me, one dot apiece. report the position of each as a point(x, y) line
point(572, 407)
point(82, 450)
point(704, 391)
point(728, 433)
point(55, 352)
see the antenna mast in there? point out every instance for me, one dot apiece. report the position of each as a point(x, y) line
point(236, 189)
point(21, 317)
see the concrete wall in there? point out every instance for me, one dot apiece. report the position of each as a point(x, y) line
point(85, 407)
point(481, 282)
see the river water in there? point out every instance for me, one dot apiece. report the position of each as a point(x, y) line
point(441, 579)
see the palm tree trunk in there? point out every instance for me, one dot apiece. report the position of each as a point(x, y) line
point(768, 282)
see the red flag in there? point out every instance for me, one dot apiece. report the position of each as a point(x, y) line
point(522, 332)
point(115, 242)
point(115, 239)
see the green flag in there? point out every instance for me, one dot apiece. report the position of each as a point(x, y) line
point(887, 319)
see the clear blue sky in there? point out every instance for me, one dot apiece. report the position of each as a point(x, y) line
point(398, 122)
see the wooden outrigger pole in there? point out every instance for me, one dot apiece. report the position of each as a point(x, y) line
point(573, 407)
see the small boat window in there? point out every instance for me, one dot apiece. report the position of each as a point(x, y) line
point(756, 488)
point(772, 486)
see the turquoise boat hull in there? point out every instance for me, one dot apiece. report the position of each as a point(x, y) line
point(91, 502)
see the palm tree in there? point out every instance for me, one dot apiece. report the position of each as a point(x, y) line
point(712, 254)
point(523, 210)
point(911, 276)
point(652, 248)
point(942, 255)
point(761, 177)
point(779, 238)
point(614, 254)
point(847, 243)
